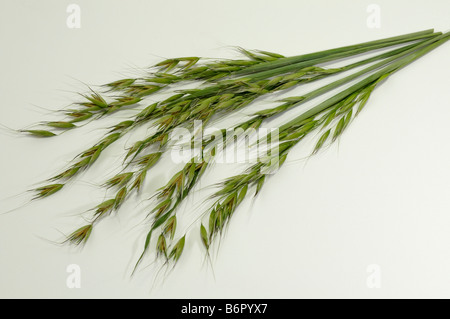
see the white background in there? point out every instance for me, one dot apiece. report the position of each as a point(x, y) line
point(379, 197)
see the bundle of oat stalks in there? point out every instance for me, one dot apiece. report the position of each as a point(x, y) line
point(221, 87)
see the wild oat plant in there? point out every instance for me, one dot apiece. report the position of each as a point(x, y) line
point(220, 87)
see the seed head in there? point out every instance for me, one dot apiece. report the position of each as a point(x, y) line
point(161, 246)
point(48, 190)
point(39, 133)
point(177, 250)
point(171, 226)
point(80, 236)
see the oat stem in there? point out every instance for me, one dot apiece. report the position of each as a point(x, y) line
point(371, 45)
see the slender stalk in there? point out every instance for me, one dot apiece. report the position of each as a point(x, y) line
point(327, 58)
point(394, 67)
point(372, 44)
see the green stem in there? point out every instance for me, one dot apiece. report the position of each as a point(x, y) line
point(391, 56)
point(304, 57)
point(389, 69)
point(351, 77)
point(327, 58)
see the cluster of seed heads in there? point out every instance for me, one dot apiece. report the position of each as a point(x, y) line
point(224, 86)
